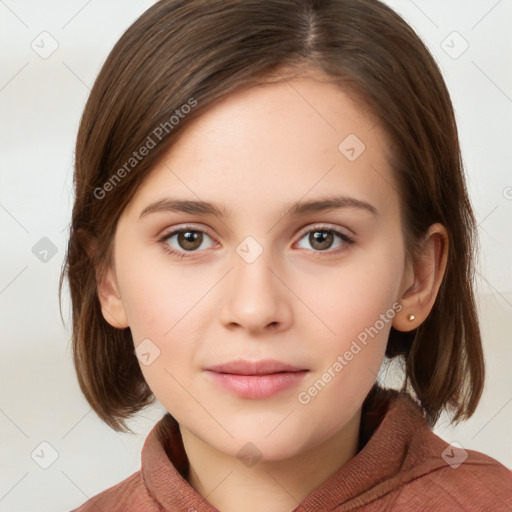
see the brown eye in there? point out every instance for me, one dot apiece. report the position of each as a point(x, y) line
point(186, 240)
point(321, 240)
point(190, 240)
point(324, 239)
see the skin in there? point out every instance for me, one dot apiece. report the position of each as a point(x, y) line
point(253, 153)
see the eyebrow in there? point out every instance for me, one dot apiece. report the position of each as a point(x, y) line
point(295, 209)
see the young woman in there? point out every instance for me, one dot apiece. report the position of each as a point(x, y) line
point(270, 201)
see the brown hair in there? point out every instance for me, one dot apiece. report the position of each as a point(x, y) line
point(194, 52)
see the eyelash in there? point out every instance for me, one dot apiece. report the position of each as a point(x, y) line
point(184, 254)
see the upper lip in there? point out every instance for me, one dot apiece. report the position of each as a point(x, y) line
point(263, 367)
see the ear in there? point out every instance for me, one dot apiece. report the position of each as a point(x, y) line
point(110, 299)
point(112, 306)
point(422, 280)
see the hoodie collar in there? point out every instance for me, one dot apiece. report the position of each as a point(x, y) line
point(389, 422)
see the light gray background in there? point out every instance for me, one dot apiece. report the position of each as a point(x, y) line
point(41, 100)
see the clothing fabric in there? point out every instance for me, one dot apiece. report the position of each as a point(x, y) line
point(401, 465)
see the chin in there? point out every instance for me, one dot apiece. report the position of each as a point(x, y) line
point(254, 445)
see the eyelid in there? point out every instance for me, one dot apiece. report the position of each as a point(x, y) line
point(191, 227)
point(319, 226)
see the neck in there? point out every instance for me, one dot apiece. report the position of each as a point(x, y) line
point(274, 486)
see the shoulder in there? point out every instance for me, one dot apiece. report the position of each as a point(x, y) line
point(448, 477)
point(432, 474)
point(129, 495)
point(480, 483)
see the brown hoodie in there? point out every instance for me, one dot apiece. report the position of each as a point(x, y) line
point(401, 465)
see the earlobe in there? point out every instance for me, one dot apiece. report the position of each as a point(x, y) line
point(111, 303)
point(427, 274)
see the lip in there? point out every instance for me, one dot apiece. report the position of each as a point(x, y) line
point(263, 367)
point(256, 379)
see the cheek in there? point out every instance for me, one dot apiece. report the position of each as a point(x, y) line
point(165, 304)
point(159, 296)
point(165, 307)
point(358, 307)
point(352, 296)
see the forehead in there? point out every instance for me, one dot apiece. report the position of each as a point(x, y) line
point(276, 142)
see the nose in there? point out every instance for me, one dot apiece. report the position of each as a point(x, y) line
point(256, 298)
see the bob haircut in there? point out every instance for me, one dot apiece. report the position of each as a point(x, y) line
point(195, 52)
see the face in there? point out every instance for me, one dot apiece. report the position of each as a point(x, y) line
point(261, 279)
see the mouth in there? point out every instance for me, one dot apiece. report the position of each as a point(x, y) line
point(256, 379)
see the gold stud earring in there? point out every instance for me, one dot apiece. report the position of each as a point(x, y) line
point(411, 318)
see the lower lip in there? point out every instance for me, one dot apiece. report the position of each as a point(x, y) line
point(257, 386)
